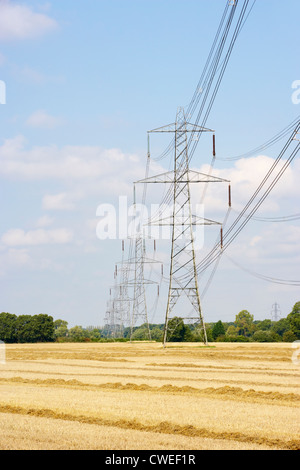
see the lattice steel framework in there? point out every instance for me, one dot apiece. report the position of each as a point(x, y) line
point(182, 222)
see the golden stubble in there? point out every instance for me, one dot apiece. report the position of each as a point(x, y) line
point(140, 396)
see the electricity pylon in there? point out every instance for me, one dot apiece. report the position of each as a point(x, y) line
point(276, 312)
point(119, 304)
point(123, 309)
point(130, 304)
point(139, 309)
point(183, 273)
point(118, 309)
point(108, 318)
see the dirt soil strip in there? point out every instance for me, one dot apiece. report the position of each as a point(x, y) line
point(161, 428)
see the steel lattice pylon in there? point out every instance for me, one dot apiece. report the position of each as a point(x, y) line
point(139, 309)
point(182, 221)
point(118, 307)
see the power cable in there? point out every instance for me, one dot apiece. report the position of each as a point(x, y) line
point(212, 256)
point(279, 136)
point(272, 280)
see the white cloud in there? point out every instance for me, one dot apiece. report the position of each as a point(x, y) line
point(275, 251)
point(106, 171)
point(14, 259)
point(255, 240)
point(41, 119)
point(18, 237)
point(245, 177)
point(62, 201)
point(283, 241)
point(17, 257)
point(44, 221)
point(18, 21)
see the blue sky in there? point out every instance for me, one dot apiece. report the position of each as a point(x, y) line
point(85, 81)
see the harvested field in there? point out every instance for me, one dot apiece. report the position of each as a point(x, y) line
point(122, 396)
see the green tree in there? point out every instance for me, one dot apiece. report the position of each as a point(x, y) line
point(8, 327)
point(140, 334)
point(208, 335)
point(157, 334)
point(43, 328)
point(289, 337)
point(60, 328)
point(232, 331)
point(197, 335)
point(95, 334)
point(77, 333)
point(244, 323)
point(264, 325)
point(178, 331)
point(218, 330)
point(263, 336)
point(127, 332)
point(34, 329)
point(24, 330)
point(236, 339)
point(294, 320)
point(281, 326)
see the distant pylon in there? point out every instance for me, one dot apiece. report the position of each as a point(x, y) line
point(183, 273)
point(131, 299)
point(134, 281)
point(139, 308)
point(117, 317)
point(276, 312)
point(118, 307)
point(113, 321)
point(108, 318)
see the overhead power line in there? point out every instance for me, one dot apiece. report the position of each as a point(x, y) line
point(244, 217)
point(286, 218)
point(212, 77)
point(279, 136)
point(270, 279)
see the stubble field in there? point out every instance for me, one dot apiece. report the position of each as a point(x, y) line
point(122, 396)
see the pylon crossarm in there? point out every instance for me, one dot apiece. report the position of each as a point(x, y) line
point(184, 127)
point(192, 177)
point(168, 221)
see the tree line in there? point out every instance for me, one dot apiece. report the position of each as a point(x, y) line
point(26, 328)
point(243, 329)
point(42, 328)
